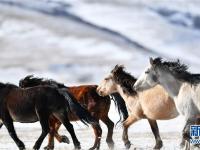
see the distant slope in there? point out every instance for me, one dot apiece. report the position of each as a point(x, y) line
point(60, 11)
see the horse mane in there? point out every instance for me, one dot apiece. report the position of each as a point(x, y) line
point(4, 85)
point(124, 79)
point(30, 81)
point(179, 70)
point(121, 106)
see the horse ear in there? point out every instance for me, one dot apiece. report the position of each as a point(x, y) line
point(151, 61)
point(117, 67)
point(28, 77)
point(122, 66)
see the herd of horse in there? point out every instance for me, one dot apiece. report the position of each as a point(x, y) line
point(163, 91)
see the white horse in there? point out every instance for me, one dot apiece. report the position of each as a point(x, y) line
point(154, 104)
point(183, 86)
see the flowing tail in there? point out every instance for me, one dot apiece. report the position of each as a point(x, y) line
point(121, 106)
point(80, 111)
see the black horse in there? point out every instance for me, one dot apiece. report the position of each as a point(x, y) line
point(37, 104)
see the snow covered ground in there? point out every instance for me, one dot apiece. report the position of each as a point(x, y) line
point(140, 140)
point(80, 41)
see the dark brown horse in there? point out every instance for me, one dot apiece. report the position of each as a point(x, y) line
point(37, 104)
point(86, 95)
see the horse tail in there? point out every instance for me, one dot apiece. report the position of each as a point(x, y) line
point(121, 106)
point(84, 116)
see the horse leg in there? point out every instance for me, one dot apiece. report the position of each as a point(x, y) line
point(182, 144)
point(52, 123)
point(155, 130)
point(186, 129)
point(44, 121)
point(60, 138)
point(98, 132)
point(50, 145)
point(187, 145)
point(65, 121)
point(8, 122)
point(186, 132)
point(130, 120)
point(110, 126)
point(197, 122)
point(54, 126)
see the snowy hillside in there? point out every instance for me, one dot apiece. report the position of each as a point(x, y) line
point(80, 41)
point(68, 40)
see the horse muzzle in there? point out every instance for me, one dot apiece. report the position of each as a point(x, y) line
point(100, 92)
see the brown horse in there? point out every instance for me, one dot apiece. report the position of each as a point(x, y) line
point(154, 104)
point(86, 95)
point(37, 104)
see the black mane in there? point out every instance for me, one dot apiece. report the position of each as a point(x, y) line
point(124, 79)
point(180, 71)
point(4, 85)
point(30, 81)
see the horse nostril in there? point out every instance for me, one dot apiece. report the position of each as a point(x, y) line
point(135, 88)
point(100, 93)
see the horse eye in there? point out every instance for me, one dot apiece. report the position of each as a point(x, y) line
point(106, 79)
point(155, 79)
point(147, 71)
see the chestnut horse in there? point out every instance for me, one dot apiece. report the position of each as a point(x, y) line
point(37, 104)
point(154, 104)
point(86, 95)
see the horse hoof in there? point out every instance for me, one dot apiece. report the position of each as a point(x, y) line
point(111, 145)
point(128, 145)
point(182, 145)
point(36, 147)
point(92, 148)
point(197, 145)
point(49, 147)
point(22, 148)
point(65, 139)
point(96, 146)
point(77, 147)
point(158, 145)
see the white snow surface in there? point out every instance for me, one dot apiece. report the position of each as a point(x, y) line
point(84, 50)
